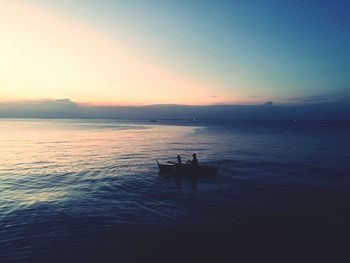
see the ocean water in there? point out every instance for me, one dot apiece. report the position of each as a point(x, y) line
point(90, 191)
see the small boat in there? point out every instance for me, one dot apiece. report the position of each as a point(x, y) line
point(187, 169)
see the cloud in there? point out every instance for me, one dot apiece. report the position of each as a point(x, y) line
point(268, 103)
point(324, 98)
point(39, 109)
point(68, 109)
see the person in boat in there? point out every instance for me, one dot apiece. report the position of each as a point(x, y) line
point(178, 160)
point(194, 160)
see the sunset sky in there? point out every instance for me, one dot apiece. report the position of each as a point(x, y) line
point(137, 52)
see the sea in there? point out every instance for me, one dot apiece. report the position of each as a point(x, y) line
point(89, 190)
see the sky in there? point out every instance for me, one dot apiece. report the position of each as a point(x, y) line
point(141, 52)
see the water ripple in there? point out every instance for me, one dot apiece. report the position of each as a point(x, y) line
point(93, 184)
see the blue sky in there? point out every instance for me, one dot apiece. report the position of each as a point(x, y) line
point(254, 50)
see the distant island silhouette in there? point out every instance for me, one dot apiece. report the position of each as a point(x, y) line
point(65, 108)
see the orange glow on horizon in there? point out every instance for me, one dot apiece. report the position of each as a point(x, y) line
point(47, 54)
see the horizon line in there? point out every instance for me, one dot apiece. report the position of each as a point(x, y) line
point(287, 102)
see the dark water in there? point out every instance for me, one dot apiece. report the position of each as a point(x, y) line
point(89, 191)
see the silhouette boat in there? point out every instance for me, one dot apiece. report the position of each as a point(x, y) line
point(187, 169)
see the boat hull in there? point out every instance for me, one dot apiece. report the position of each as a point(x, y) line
point(187, 170)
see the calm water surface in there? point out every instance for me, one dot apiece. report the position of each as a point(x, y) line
point(89, 190)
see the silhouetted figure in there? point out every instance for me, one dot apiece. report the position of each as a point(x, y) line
point(178, 160)
point(194, 160)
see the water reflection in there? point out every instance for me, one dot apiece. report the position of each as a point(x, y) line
point(37, 155)
point(185, 182)
point(39, 197)
point(91, 187)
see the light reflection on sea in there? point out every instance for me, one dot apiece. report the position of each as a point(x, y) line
point(90, 188)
